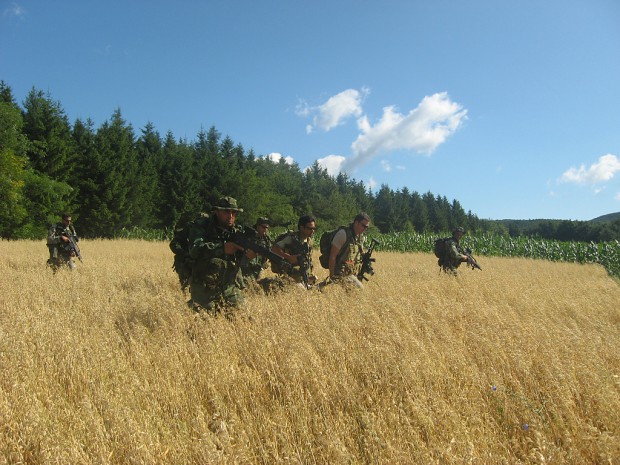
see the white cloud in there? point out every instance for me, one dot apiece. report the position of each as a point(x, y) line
point(617, 197)
point(14, 10)
point(386, 166)
point(334, 111)
point(331, 163)
point(601, 171)
point(425, 128)
point(372, 183)
point(275, 157)
point(302, 109)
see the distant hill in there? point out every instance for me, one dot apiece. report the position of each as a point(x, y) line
point(601, 219)
point(609, 217)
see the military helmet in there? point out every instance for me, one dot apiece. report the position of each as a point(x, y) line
point(263, 220)
point(459, 230)
point(227, 203)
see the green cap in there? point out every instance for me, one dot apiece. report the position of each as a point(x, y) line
point(227, 203)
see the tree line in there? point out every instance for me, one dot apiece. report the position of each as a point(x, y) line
point(109, 178)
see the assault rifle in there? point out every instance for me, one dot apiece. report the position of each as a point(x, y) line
point(471, 261)
point(286, 225)
point(73, 247)
point(304, 263)
point(367, 261)
point(246, 239)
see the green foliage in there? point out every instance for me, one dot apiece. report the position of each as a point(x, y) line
point(606, 254)
point(51, 150)
point(45, 200)
point(13, 163)
point(145, 234)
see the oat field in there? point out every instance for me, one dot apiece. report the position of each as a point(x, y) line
point(516, 364)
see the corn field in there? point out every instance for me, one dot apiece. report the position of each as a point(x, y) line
point(606, 254)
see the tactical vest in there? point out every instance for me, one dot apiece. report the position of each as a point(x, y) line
point(349, 258)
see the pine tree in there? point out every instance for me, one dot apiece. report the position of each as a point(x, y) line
point(13, 164)
point(51, 151)
point(147, 189)
point(179, 189)
point(115, 142)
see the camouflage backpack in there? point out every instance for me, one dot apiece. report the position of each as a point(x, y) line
point(440, 249)
point(180, 246)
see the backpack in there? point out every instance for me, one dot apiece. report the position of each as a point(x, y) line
point(325, 244)
point(180, 247)
point(441, 249)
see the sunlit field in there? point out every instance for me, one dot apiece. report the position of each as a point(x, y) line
point(517, 363)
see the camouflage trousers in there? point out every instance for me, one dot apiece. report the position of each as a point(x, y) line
point(58, 259)
point(450, 269)
point(214, 299)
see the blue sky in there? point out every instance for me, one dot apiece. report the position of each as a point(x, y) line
point(512, 108)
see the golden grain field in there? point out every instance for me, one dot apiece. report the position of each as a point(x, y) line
point(518, 363)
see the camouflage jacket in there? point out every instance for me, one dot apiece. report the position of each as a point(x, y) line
point(211, 265)
point(56, 231)
point(292, 244)
point(253, 268)
point(453, 253)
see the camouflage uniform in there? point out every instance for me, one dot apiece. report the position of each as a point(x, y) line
point(453, 253)
point(61, 253)
point(350, 245)
point(293, 244)
point(349, 259)
point(251, 269)
point(216, 276)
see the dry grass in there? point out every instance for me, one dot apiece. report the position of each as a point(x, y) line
point(519, 363)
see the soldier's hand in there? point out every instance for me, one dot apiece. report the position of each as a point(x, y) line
point(230, 248)
point(293, 259)
point(64, 238)
point(250, 254)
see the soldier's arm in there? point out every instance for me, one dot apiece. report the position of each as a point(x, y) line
point(56, 236)
point(456, 254)
point(203, 246)
point(279, 249)
point(337, 243)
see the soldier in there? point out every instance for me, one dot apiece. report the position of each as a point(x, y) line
point(62, 244)
point(216, 282)
point(345, 257)
point(251, 269)
point(296, 248)
point(453, 253)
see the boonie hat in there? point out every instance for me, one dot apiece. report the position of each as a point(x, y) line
point(227, 203)
point(263, 220)
point(459, 229)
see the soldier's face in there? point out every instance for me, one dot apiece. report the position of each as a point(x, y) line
point(262, 229)
point(308, 230)
point(66, 221)
point(360, 226)
point(226, 218)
